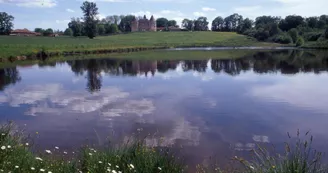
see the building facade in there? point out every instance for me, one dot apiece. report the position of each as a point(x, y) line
point(144, 24)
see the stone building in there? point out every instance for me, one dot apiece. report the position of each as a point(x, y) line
point(143, 24)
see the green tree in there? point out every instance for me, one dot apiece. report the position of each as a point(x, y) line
point(125, 24)
point(261, 21)
point(77, 26)
point(326, 33)
point(101, 29)
point(171, 23)
point(90, 11)
point(162, 22)
point(232, 22)
point(312, 22)
point(48, 32)
point(68, 32)
point(201, 24)
point(6, 23)
point(113, 29)
point(245, 25)
point(188, 24)
point(294, 34)
point(39, 30)
point(290, 22)
point(299, 41)
point(217, 24)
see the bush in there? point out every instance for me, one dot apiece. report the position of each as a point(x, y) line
point(282, 38)
point(250, 32)
point(326, 34)
point(312, 36)
point(293, 34)
point(262, 34)
point(299, 41)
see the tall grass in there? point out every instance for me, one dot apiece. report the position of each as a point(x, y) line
point(16, 157)
point(298, 157)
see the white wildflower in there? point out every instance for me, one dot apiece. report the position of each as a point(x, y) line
point(100, 162)
point(38, 158)
point(27, 144)
point(65, 152)
point(3, 147)
point(3, 134)
point(57, 148)
point(48, 151)
point(109, 164)
point(113, 171)
point(42, 170)
point(251, 167)
point(90, 154)
point(32, 168)
point(119, 171)
point(117, 166)
point(8, 146)
point(159, 168)
point(108, 169)
point(16, 167)
point(131, 166)
point(49, 172)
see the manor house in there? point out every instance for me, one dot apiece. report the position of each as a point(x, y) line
point(143, 24)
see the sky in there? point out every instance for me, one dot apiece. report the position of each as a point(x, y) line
point(56, 14)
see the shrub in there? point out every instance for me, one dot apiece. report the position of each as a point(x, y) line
point(262, 34)
point(326, 34)
point(250, 32)
point(282, 38)
point(293, 34)
point(299, 41)
point(312, 36)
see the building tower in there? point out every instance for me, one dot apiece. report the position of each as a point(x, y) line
point(152, 24)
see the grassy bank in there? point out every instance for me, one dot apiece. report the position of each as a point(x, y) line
point(16, 157)
point(31, 46)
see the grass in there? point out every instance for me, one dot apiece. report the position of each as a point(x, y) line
point(19, 46)
point(16, 157)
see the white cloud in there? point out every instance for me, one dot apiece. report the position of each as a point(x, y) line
point(247, 8)
point(208, 9)
point(198, 14)
point(62, 21)
point(32, 3)
point(70, 10)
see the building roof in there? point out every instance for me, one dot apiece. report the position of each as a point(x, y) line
point(23, 31)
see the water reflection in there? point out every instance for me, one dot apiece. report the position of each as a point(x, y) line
point(220, 107)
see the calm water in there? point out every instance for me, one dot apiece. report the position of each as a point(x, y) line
point(201, 108)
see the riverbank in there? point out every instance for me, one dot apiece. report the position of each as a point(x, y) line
point(27, 48)
point(16, 156)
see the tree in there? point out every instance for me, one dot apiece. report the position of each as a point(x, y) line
point(125, 24)
point(217, 24)
point(172, 23)
point(245, 25)
point(48, 32)
point(115, 19)
point(312, 22)
point(101, 29)
point(68, 32)
point(162, 22)
point(265, 20)
point(299, 41)
point(290, 22)
point(6, 23)
point(201, 24)
point(39, 30)
point(326, 33)
point(232, 22)
point(294, 34)
point(188, 24)
point(90, 11)
point(76, 25)
point(113, 29)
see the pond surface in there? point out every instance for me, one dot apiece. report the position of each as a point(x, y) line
point(203, 109)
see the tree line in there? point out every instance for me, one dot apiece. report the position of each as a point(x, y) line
point(291, 29)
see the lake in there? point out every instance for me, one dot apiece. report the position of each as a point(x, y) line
point(205, 109)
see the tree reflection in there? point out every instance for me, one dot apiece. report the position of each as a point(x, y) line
point(8, 76)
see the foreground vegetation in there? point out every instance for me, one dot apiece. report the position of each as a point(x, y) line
point(31, 46)
point(16, 157)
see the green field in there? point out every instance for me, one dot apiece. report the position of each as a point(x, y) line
point(18, 46)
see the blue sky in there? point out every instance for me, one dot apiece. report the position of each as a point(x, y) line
point(56, 13)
